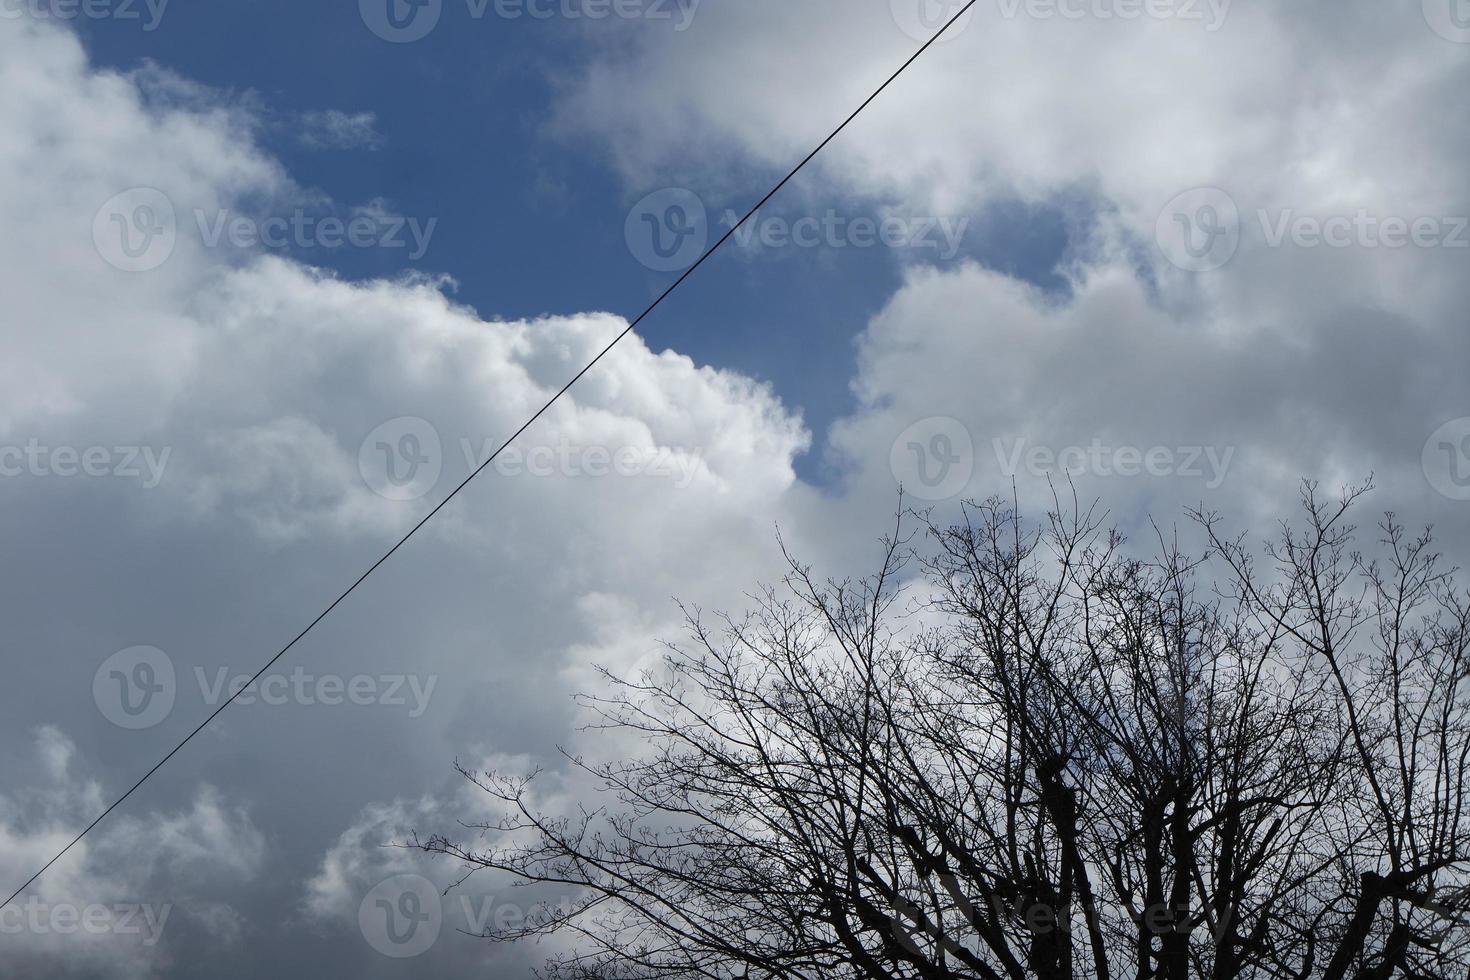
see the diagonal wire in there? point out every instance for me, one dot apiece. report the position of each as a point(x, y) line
point(503, 446)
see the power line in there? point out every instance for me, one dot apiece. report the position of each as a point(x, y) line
point(503, 446)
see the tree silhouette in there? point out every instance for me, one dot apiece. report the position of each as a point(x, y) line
point(1018, 751)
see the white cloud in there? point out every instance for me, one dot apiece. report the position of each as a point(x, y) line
point(260, 380)
point(264, 378)
point(107, 906)
point(1302, 101)
point(1306, 361)
point(333, 129)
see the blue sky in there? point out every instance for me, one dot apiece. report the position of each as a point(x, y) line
point(531, 216)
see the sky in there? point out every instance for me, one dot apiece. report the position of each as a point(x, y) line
point(278, 276)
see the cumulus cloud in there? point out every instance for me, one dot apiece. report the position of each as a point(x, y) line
point(307, 420)
point(1298, 356)
point(273, 400)
point(367, 851)
point(108, 905)
point(1289, 101)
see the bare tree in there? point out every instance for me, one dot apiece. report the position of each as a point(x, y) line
point(1041, 757)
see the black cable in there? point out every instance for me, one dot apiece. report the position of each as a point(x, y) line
point(503, 446)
